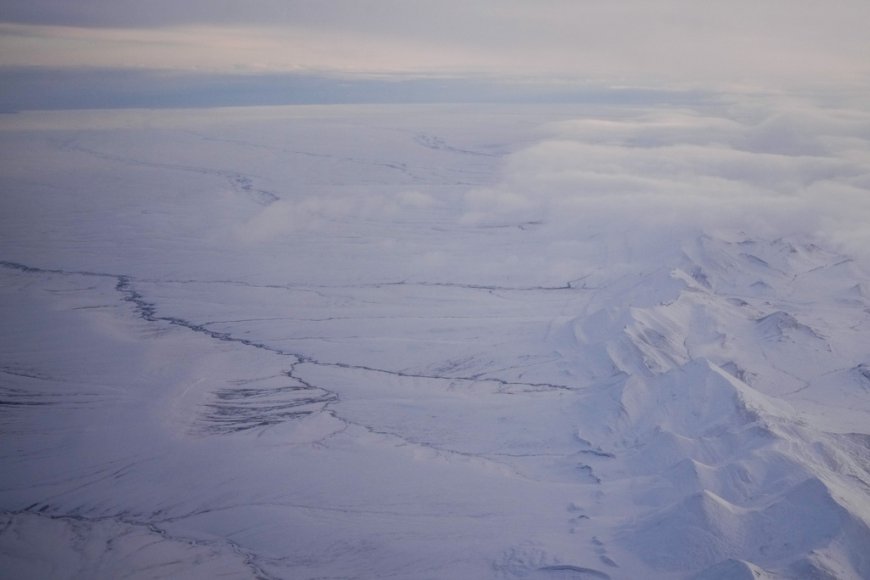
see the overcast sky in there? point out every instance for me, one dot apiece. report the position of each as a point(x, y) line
point(674, 43)
point(672, 40)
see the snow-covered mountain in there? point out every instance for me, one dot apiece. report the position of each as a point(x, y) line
point(435, 342)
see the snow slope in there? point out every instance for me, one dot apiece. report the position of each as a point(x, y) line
point(396, 342)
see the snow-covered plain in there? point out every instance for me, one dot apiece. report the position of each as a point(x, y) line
point(539, 342)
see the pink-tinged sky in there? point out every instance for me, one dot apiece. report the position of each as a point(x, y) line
point(691, 43)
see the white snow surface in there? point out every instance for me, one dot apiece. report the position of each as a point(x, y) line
point(425, 342)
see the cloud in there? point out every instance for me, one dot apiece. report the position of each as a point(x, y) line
point(325, 212)
point(415, 200)
point(767, 171)
point(683, 41)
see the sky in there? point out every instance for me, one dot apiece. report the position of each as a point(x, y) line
point(679, 44)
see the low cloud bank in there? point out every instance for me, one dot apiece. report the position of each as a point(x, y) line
point(620, 187)
point(287, 217)
point(769, 169)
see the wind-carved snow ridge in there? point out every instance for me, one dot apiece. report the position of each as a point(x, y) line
point(251, 407)
point(737, 482)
